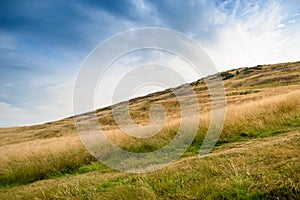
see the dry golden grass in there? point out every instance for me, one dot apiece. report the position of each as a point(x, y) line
point(256, 108)
point(258, 169)
point(34, 160)
point(16, 135)
point(250, 118)
point(37, 159)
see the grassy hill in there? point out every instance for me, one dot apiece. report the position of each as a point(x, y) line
point(256, 157)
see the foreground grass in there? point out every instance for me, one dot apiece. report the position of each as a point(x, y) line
point(258, 169)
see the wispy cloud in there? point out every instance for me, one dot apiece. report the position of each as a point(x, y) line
point(252, 33)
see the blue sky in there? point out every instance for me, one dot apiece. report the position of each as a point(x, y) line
point(43, 43)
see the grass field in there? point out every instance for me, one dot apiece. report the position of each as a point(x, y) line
point(256, 156)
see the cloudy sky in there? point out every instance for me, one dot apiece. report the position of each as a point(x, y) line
point(43, 43)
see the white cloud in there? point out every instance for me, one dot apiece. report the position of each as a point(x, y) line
point(292, 21)
point(252, 34)
point(31, 113)
point(10, 115)
point(142, 6)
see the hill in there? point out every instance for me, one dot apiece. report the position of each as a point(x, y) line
point(256, 157)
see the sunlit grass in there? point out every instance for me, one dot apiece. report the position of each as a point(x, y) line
point(256, 110)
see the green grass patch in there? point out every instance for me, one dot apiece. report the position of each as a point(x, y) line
point(116, 182)
point(246, 134)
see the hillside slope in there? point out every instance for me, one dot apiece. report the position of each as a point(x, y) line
point(241, 85)
point(257, 155)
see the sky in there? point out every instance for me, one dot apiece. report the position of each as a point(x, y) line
point(43, 43)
